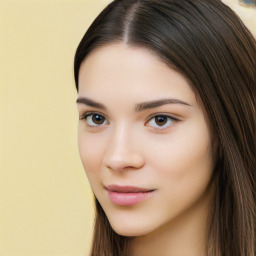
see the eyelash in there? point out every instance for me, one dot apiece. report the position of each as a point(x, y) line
point(88, 114)
point(170, 118)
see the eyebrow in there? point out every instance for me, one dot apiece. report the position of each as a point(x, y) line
point(139, 107)
point(158, 103)
point(90, 102)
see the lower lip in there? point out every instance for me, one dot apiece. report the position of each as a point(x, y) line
point(126, 199)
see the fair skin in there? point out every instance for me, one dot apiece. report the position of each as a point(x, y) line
point(165, 148)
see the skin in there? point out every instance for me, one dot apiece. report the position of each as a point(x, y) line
point(129, 147)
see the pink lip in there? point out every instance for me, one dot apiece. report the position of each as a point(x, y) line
point(127, 195)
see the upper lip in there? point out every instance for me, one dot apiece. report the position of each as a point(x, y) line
point(126, 189)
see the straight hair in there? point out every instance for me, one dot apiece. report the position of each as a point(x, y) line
point(206, 42)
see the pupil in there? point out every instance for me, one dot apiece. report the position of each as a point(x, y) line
point(161, 120)
point(97, 119)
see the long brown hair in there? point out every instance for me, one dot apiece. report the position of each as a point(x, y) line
point(206, 42)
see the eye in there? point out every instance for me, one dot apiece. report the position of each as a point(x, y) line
point(161, 121)
point(94, 119)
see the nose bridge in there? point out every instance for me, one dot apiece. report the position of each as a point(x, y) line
point(122, 152)
point(121, 135)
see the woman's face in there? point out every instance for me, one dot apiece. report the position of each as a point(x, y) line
point(141, 126)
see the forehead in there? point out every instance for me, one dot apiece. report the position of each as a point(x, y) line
point(132, 72)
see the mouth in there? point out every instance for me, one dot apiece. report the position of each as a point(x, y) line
point(127, 195)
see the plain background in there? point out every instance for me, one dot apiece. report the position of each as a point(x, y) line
point(46, 206)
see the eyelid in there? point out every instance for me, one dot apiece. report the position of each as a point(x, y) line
point(174, 117)
point(90, 113)
point(167, 115)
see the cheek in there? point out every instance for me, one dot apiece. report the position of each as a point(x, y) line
point(91, 150)
point(183, 169)
point(184, 160)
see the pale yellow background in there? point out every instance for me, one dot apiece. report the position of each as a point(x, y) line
point(45, 200)
point(46, 206)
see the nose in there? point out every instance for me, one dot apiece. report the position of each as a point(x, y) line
point(122, 152)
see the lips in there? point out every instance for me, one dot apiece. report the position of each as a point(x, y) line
point(128, 195)
point(127, 189)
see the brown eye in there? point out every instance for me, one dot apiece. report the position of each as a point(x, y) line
point(98, 119)
point(161, 120)
point(95, 119)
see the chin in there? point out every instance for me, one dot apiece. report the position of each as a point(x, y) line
point(130, 230)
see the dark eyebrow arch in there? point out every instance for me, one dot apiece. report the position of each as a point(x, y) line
point(139, 107)
point(90, 102)
point(157, 103)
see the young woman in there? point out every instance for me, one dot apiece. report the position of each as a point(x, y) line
point(166, 102)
